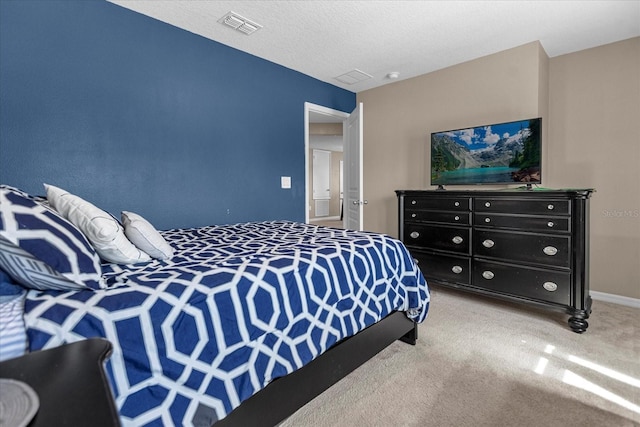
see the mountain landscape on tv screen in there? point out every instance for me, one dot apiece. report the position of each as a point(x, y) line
point(508, 152)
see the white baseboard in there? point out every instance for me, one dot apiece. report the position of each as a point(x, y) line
point(616, 299)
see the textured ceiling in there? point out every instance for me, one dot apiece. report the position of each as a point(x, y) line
point(325, 39)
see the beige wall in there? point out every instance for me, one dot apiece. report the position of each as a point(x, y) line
point(594, 137)
point(568, 92)
point(325, 128)
point(399, 119)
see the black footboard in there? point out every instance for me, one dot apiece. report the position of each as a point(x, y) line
point(286, 395)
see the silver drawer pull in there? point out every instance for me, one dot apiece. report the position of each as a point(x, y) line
point(414, 235)
point(550, 286)
point(457, 269)
point(487, 220)
point(488, 243)
point(550, 250)
point(456, 204)
point(456, 218)
point(487, 204)
point(414, 215)
point(413, 202)
point(488, 275)
point(550, 224)
point(457, 240)
point(550, 207)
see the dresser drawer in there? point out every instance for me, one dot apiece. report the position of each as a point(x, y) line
point(533, 207)
point(445, 217)
point(522, 222)
point(524, 247)
point(438, 203)
point(455, 239)
point(445, 268)
point(534, 283)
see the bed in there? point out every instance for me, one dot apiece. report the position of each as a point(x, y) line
point(237, 316)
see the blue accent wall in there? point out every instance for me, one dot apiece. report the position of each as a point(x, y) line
point(134, 114)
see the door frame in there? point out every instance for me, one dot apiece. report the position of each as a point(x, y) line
point(334, 116)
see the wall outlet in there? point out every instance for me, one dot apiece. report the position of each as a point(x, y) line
point(285, 182)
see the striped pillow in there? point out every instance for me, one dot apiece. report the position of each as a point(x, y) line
point(13, 333)
point(30, 229)
point(30, 272)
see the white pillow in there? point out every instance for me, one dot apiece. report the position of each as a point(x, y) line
point(146, 238)
point(101, 229)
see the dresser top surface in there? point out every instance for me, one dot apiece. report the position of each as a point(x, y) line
point(508, 192)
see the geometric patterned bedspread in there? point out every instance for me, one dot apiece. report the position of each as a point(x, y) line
point(236, 307)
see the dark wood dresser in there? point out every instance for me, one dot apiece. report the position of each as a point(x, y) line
point(530, 246)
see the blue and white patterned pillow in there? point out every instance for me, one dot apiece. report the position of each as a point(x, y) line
point(42, 233)
point(8, 286)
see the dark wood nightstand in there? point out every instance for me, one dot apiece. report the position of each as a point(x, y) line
point(70, 383)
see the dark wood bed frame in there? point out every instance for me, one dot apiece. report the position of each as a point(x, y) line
point(286, 395)
point(77, 370)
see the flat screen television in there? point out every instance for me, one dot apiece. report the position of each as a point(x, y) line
point(500, 153)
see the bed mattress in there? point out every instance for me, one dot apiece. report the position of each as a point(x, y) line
point(235, 308)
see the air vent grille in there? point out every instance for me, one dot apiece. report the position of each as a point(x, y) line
point(239, 23)
point(353, 77)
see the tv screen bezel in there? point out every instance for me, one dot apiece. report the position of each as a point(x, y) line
point(528, 184)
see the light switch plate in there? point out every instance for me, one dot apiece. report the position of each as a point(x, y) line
point(285, 181)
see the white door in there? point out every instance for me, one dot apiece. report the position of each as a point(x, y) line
point(353, 195)
point(321, 175)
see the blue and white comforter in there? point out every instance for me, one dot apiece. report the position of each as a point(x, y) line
point(235, 308)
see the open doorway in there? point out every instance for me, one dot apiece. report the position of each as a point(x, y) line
point(324, 147)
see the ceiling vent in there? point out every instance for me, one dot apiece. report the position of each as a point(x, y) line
point(353, 77)
point(239, 23)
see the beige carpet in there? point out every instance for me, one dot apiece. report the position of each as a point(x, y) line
point(483, 362)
